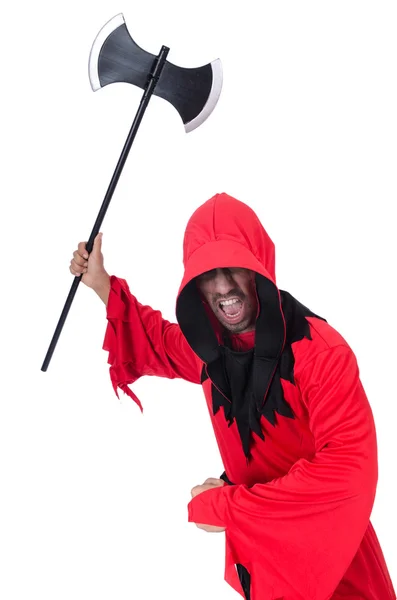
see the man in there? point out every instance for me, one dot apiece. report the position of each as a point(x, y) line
point(294, 427)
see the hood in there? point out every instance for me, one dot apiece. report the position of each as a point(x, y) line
point(225, 232)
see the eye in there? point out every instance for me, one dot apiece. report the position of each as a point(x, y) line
point(237, 270)
point(207, 275)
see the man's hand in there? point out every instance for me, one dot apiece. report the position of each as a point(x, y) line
point(208, 484)
point(91, 267)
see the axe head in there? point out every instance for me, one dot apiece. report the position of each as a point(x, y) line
point(115, 57)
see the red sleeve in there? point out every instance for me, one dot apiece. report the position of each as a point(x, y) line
point(298, 534)
point(140, 342)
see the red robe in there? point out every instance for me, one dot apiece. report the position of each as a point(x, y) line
point(303, 462)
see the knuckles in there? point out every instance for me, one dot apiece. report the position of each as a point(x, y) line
point(195, 490)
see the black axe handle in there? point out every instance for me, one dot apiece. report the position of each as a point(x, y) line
point(152, 81)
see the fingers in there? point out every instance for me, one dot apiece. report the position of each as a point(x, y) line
point(81, 250)
point(196, 491)
point(79, 260)
point(79, 263)
point(76, 269)
point(81, 254)
point(214, 481)
point(207, 485)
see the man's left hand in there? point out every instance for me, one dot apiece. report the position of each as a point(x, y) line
point(208, 484)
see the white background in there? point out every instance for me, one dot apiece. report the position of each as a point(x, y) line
point(93, 494)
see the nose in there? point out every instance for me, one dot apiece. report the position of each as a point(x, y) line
point(224, 281)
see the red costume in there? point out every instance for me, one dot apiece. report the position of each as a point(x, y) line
point(293, 424)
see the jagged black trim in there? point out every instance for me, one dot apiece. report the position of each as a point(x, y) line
point(298, 328)
point(248, 384)
point(248, 411)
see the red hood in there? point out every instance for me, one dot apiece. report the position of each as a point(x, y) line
point(224, 232)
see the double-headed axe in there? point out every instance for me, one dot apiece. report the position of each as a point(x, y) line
point(115, 57)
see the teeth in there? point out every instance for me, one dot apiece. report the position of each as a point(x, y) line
point(229, 302)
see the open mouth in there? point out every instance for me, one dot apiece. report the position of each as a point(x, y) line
point(232, 309)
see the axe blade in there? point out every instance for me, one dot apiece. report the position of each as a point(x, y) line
point(115, 57)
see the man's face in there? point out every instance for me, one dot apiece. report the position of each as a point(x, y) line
point(231, 293)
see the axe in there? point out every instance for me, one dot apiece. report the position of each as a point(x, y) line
point(115, 57)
